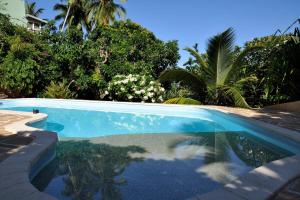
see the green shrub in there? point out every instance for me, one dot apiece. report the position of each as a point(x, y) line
point(277, 68)
point(59, 91)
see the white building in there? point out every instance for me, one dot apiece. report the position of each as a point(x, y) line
point(16, 10)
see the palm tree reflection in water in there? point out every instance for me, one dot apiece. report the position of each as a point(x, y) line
point(93, 169)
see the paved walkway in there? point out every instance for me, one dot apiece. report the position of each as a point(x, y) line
point(10, 143)
point(283, 119)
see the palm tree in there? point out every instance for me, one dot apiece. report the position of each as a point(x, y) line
point(73, 13)
point(218, 73)
point(31, 9)
point(103, 12)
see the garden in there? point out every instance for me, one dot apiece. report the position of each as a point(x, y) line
point(119, 60)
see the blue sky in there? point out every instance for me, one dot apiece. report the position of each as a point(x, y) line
point(192, 21)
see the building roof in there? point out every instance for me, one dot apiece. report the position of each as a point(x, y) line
point(35, 18)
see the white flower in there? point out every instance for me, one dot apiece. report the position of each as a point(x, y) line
point(106, 92)
point(152, 82)
point(130, 97)
point(143, 91)
point(145, 97)
point(153, 100)
point(160, 98)
point(122, 89)
point(162, 89)
point(150, 88)
point(137, 92)
point(150, 94)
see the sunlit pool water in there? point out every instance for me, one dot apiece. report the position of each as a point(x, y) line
point(135, 151)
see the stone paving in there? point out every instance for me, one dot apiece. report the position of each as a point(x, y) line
point(289, 120)
point(10, 143)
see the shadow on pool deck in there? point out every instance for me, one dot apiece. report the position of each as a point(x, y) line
point(10, 143)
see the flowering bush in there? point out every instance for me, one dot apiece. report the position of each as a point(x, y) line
point(130, 87)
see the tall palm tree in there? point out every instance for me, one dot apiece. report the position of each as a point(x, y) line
point(103, 12)
point(72, 13)
point(218, 72)
point(31, 9)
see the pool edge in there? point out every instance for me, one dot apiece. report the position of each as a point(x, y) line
point(18, 169)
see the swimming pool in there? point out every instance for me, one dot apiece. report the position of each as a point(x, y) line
point(141, 151)
point(88, 119)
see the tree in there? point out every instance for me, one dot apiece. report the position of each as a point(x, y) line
point(277, 67)
point(103, 12)
point(31, 9)
point(74, 13)
point(131, 49)
point(217, 74)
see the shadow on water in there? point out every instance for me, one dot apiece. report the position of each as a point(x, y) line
point(88, 170)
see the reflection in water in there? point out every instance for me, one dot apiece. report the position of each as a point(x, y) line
point(228, 151)
point(170, 166)
point(88, 169)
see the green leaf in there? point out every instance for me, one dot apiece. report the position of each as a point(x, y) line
point(181, 100)
point(195, 82)
point(234, 92)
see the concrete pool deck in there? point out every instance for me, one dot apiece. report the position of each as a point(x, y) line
point(24, 161)
point(261, 183)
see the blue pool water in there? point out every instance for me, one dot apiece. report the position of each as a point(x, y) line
point(88, 119)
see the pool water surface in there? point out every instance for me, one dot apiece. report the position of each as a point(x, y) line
point(152, 166)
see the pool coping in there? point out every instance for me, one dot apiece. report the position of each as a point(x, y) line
point(16, 169)
point(260, 183)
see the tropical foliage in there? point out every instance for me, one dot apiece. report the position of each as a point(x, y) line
point(30, 62)
point(277, 68)
point(216, 74)
point(72, 13)
point(32, 9)
point(94, 50)
point(86, 15)
point(103, 12)
point(59, 90)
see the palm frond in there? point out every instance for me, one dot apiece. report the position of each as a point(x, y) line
point(60, 7)
point(197, 56)
point(195, 82)
point(181, 100)
point(238, 99)
point(238, 62)
point(31, 9)
point(219, 51)
point(246, 80)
